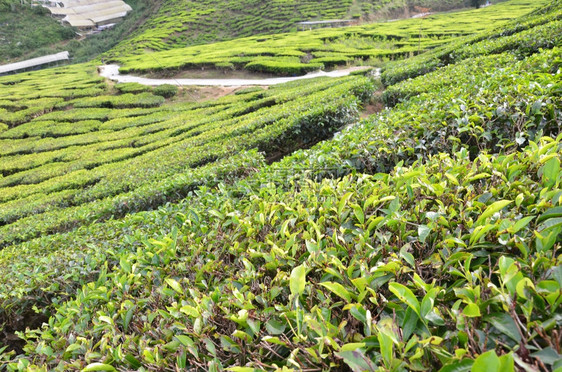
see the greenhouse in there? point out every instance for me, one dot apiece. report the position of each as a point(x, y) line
point(87, 14)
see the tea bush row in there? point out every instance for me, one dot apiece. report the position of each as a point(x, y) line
point(389, 270)
point(379, 41)
point(521, 37)
point(115, 166)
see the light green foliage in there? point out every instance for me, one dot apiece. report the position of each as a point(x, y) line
point(181, 23)
point(131, 88)
point(521, 37)
point(425, 237)
point(96, 157)
point(298, 53)
point(228, 303)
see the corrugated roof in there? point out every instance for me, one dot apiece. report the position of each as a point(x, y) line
point(78, 21)
point(108, 17)
point(62, 56)
point(87, 13)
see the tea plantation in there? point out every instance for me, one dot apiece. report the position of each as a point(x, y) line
point(299, 53)
point(181, 23)
point(275, 230)
point(159, 25)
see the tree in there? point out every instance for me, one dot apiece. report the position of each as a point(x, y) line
point(476, 3)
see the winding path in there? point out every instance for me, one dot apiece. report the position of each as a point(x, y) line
point(112, 72)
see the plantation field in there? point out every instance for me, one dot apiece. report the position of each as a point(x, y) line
point(68, 159)
point(301, 52)
point(181, 23)
point(140, 232)
point(178, 23)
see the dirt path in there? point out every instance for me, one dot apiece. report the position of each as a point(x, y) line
point(112, 72)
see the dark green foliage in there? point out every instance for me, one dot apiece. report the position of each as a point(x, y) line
point(522, 37)
point(283, 68)
point(249, 90)
point(476, 3)
point(118, 140)
point(40, 31)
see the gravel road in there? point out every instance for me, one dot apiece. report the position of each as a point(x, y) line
point(112, 72)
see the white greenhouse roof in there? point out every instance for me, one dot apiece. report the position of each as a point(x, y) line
point(12, 67)
point(88, 13)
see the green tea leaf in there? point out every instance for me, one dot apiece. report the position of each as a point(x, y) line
point(98, 367)
point(506, 325)
point(493, 208)
point(133, 362)
point(550, 224)
point(487, 362)
point(386, 346)
point(297, 280)
point(405, 295)
point(460, 366)
point(275, 327)
point(507, 363)
point(357, 361)
point(190, 311)
point(423, 232)
point(551, 213)
point(174, 285)
point(521, 224)
point(338, 289)
point(471, 311)
point(550, 171)
point(358, 212)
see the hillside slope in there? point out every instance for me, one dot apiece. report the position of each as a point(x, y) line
point(169, 24)
point(181, 23)
point(301, 52)
point(162, 25)
point(41, 31)
point(45, 36)
point(425, 237)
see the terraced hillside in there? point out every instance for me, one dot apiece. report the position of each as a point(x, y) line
point(72, 154)
point(178, 23)
point(181, 23)
point(298, 53)
point(424, 237)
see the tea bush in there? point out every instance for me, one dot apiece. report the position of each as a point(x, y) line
point(131, 88)
point(424, 237)
point(166, 90)
point(365, 269)
point(298, 53)
point(126, 153)
point(522, 37)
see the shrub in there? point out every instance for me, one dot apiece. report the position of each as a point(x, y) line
point(283, 68)
point(131, 88)
point(166, 90)
point(248, 90)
